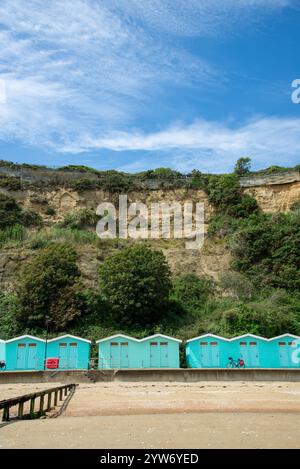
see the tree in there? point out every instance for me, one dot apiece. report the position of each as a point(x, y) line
point(136, 284)
point(242, 166)
point(8, 311)
point(50, 288)
point(191, 292)
point(225, 194)
point(269, 317)
point(266, 248)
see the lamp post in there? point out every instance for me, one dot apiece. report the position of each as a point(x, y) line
point(46, 345)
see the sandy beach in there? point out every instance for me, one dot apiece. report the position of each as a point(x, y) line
point(164, 415)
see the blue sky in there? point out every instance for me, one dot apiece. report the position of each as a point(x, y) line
point(138, 84)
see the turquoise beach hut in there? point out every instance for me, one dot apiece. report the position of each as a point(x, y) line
point(256, 351)
point(212, 351)
point(24, 353)
point(207, 351)
point(285, 351)
point(73, 352)
point(123, 351)
point(160, 351)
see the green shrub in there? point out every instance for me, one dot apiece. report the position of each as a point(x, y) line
point(136, 284)
point(9, 306)
point(50, 211)
point(116, 182)
point(267, 249)
point(50, 287)
point(84, 184)
point(237, 285)
point(10, 183)
point(80, 219)
point(191, 292)
point(31, 218)
point(10, 211)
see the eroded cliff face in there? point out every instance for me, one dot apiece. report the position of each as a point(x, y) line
point(270, 197)
point(64, 201)
point(213, 260)
point(276, 197)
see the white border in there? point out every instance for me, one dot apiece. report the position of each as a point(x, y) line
point(26, 336)
point(138, 340)
point(243, 336)
point(160, 335)
point(70, 336)
point(285, 335)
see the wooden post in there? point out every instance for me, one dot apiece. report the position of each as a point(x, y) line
point(32, 402)
point(5, 417)
point(60, 394)
point(20, 410)
point(55, 398)
point(41, 405)
point(49, 402)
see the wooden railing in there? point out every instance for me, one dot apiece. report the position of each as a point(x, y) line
point(59, 393)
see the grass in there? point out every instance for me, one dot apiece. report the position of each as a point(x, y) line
point(13, 235)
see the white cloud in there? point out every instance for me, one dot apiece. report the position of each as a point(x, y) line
point(77, 69)
point(199, 17)
point(266, 140)
point(81, 66)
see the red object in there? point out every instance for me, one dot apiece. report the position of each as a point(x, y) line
point(52, 363)
point(242, 362)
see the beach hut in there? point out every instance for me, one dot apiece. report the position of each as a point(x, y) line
point(211, 351)
point(284, 351)
point(118, 351)
point(123, 351)
point(208, 351)
point(25, 353)
point(72, 352)
point(2, 350)
point(160, 351)
point(253, 349)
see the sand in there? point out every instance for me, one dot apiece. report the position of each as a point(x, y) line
point(165, 415)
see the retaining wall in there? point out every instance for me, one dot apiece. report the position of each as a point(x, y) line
point(170, 375)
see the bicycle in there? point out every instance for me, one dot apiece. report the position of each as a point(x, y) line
point(2, 365)
point(239, 363)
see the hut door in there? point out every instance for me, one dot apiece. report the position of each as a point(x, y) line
point(63, 355)
point(244, 353)
point(154, 355)
point(215, 356)
point(73, 356)
point(204, 354)
point(32, 357)
point(164, 356)
point(124, 355)
point(114, 355)
point(21, 357)
point(254, 355)
point(283, 354)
